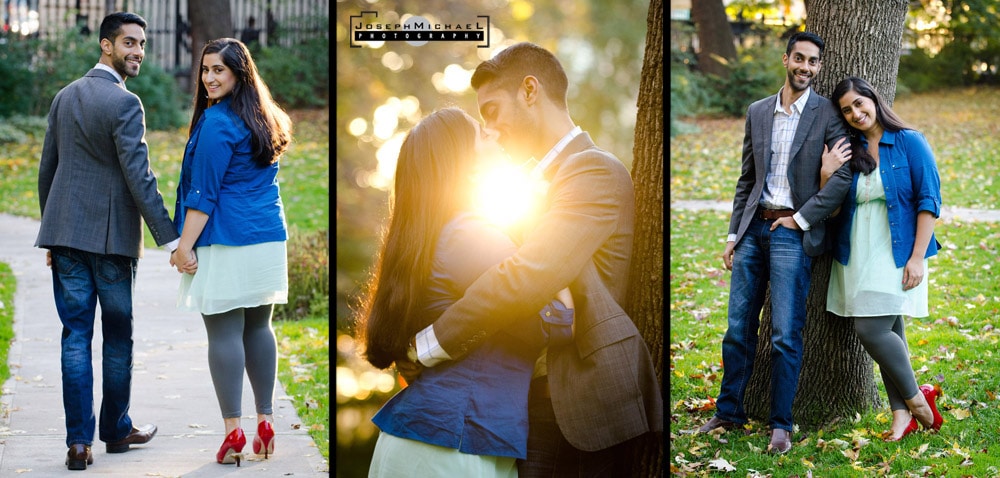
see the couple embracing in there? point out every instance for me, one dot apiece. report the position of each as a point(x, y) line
point(519, 357)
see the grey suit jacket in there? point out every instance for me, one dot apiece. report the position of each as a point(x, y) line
point(819, 124)
point(95, 184)
point(604, 388)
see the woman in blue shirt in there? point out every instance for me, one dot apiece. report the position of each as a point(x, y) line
point(232, 225)
point(468, 417)
point(882, 238)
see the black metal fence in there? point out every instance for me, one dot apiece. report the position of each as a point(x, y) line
point(168, 43)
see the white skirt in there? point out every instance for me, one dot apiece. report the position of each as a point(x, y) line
point(231, 277)
point(395, 457)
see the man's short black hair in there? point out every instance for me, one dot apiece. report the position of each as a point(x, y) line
point(111, 26)
point(806, 36)
point(509, 67)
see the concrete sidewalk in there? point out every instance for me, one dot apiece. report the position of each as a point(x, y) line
point(171, 385)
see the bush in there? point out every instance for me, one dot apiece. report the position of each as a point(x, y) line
point(16, 80)
point(299, 75)
point(308, 276)
point(33, 71)
point(919, 72)
point(689, 93)
point(756, 74)
point(17, 129)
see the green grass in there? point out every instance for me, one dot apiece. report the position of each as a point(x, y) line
point(962, 127)
point(961, 353)
point(304, 370)
point(7, 287)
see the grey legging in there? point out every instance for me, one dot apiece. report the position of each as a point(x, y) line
point(885, 341)
point(238, 339)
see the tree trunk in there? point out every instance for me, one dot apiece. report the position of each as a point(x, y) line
point(715, 37)
point(863, 39)
point(832, 353)
point(210, 19)
point(644, 302)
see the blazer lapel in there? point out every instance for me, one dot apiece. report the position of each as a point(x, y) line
point(763, 125)
point(806, 121)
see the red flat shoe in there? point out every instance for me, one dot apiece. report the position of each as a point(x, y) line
point(930, 394)
point(264, 439)
point(912, 427)
point(232, 447)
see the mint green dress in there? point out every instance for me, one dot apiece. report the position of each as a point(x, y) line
point(871, 285)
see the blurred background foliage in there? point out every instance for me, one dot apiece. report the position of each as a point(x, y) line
point(384, 89)
point(946, 44)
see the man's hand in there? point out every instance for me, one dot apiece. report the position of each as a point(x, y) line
point(727, 255)
point(786, 222)
point(409, 370)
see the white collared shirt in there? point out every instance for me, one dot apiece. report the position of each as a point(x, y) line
point(429, 351)
point(107, 68)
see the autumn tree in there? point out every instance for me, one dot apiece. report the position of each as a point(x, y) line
point(715, 37)
point(644, 302)
point(863, 39)
point(210, 19)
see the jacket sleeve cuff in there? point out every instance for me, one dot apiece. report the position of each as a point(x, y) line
point(429, 351)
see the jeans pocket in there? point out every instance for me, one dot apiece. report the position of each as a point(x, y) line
point(65, 264)
point(114, 269)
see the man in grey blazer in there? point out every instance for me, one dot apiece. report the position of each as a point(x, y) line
point(777, 227)
point(95, 187)
point(592, 398)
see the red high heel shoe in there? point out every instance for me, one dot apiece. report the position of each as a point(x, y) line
point(232, 447)
point(930, 394)
point(264, 439)
point(912, 427)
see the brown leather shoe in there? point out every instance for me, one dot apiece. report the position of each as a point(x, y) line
point(781, 441)
point(717, 422)
point(137, 436)
point(78, 457)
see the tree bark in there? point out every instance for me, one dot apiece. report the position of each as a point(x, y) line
point(715, 37)
point(862, 39)
point(210, 19)
point(644, 302)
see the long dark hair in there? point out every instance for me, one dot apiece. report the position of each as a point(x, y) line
point(270, 127)
point(861, 160)
point(432, 185)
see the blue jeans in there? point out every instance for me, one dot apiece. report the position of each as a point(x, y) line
point(764, 256)
point(81, 279)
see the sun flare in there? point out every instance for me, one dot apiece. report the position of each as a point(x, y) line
point(506, 194)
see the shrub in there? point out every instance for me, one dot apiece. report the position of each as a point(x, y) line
point(756, 74)
point(689, 93)
point(299, 75)
point(16, 81)
point(33, 71)
point(919, 72)
point(308, 275)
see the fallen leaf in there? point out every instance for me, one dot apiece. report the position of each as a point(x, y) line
point(720, 464)
point(960, 413)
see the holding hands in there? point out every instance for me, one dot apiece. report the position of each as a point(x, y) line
point(185, 260)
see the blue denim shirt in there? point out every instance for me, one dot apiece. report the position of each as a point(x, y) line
point(912, 184)
point(220, 178)
point(479, 404)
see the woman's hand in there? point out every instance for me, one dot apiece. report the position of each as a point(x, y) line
point(184, 260)
point(913, 273)
point(833, 159)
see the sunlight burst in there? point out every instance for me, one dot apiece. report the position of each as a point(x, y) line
point(506, 194)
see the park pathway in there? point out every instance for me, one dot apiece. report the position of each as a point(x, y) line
point(948, 213)
point(171, 385)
